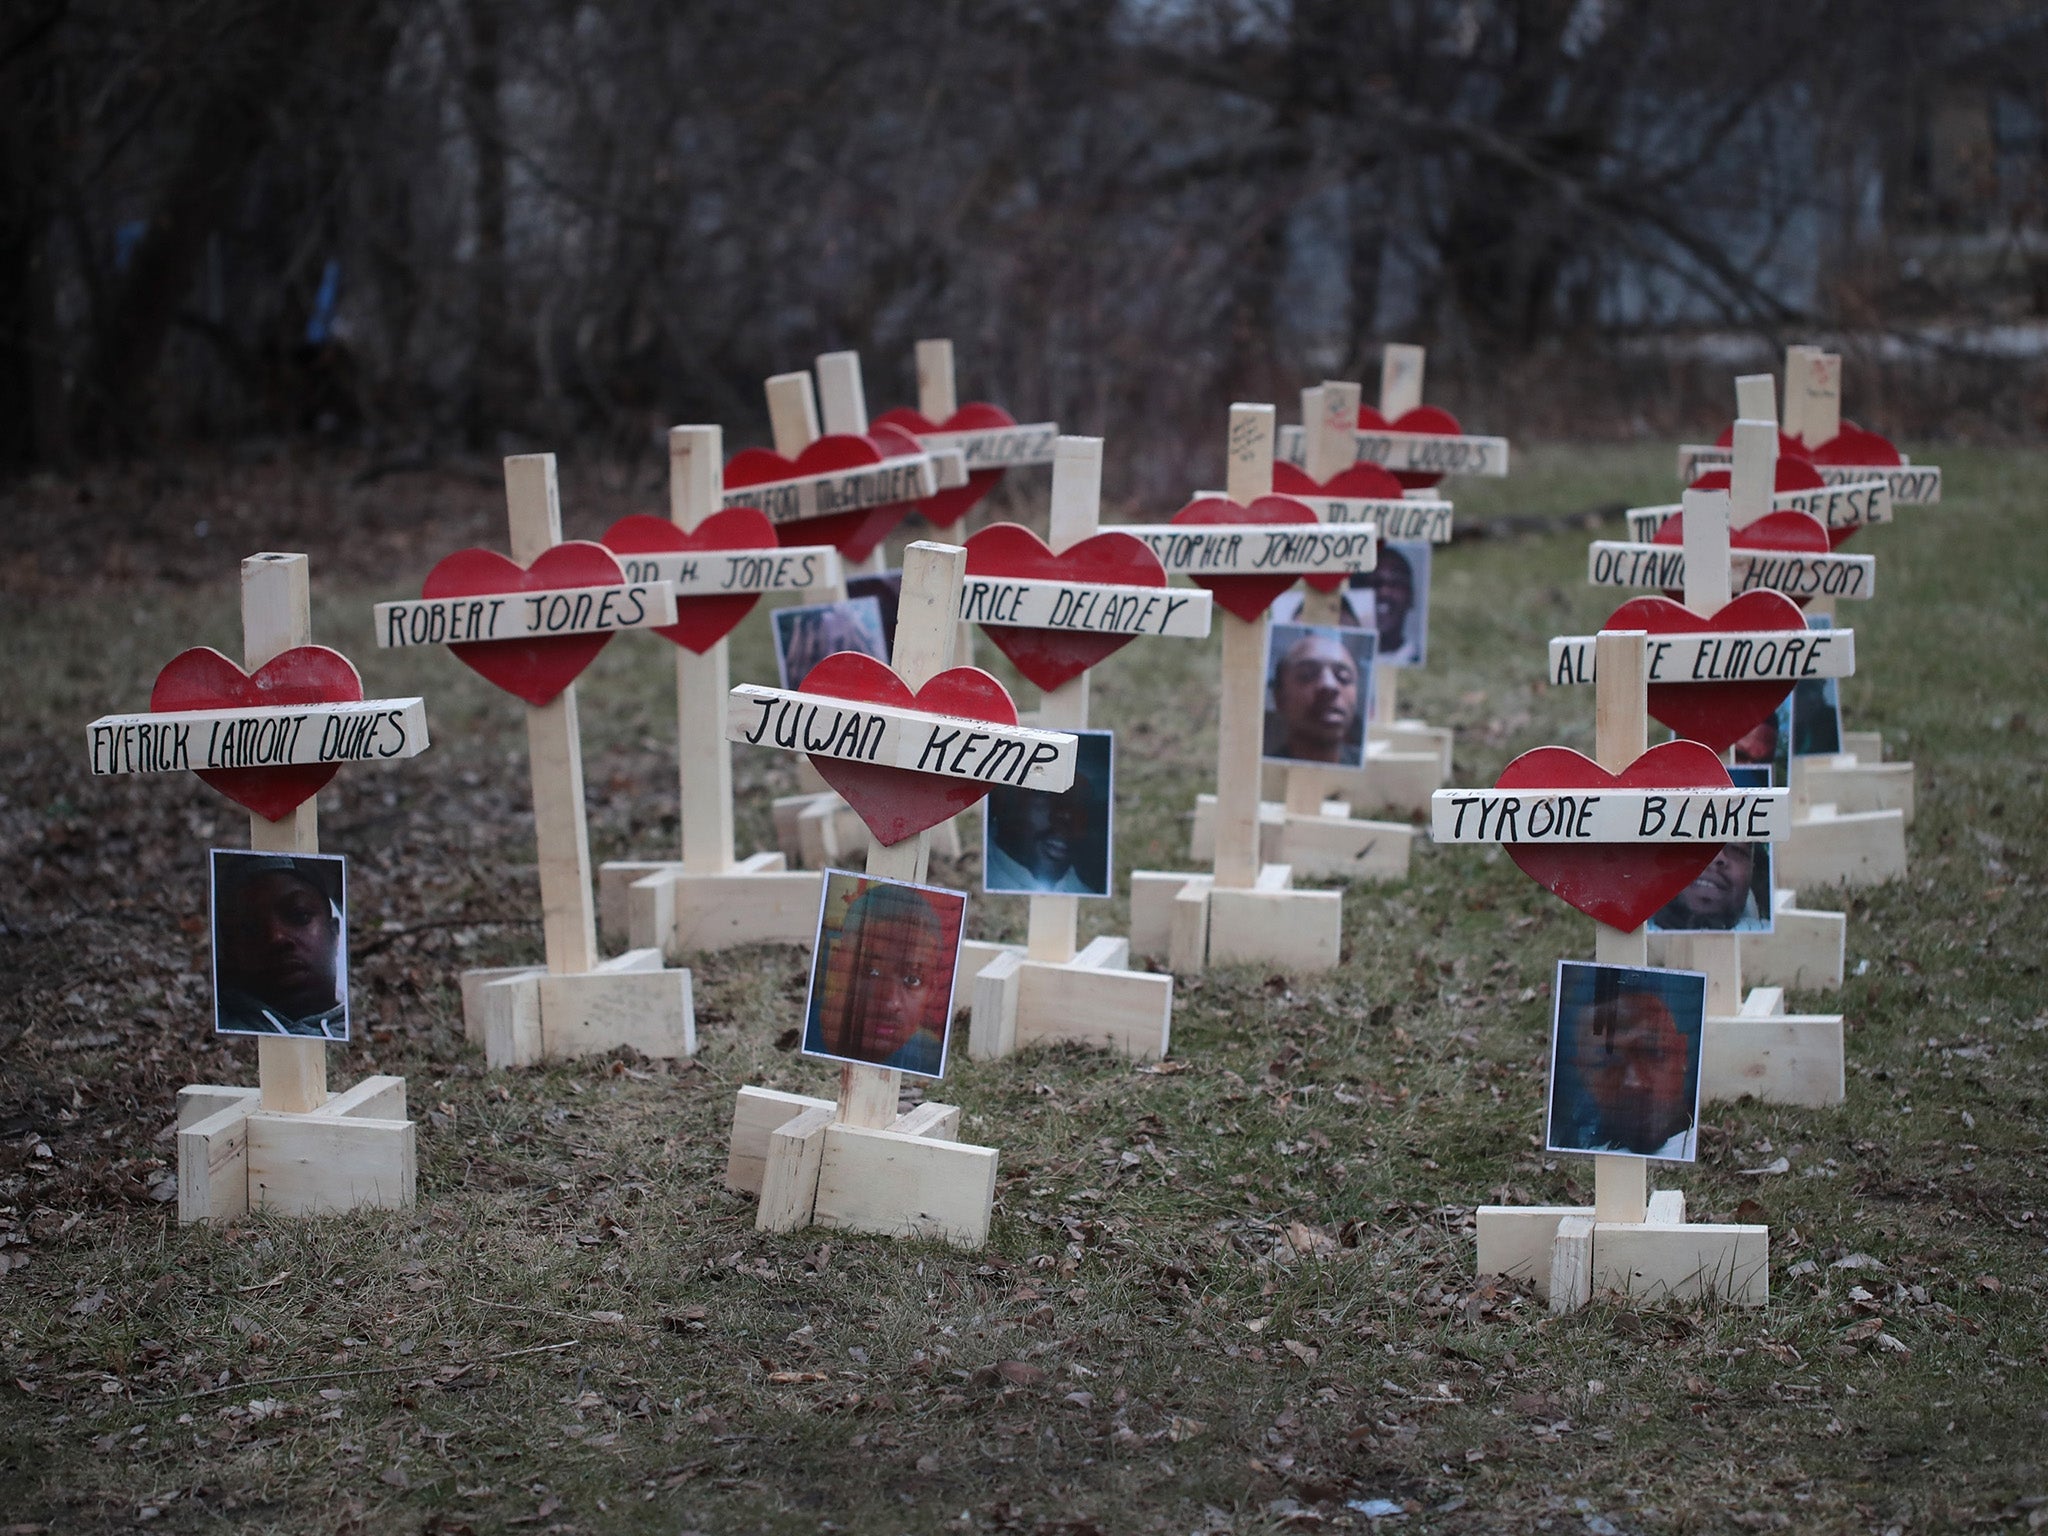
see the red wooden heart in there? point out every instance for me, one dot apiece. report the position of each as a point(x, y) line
point(1050, 657)
point(1366, 482)
point(955, 502)
point(1791, 475)
point(202, 678)
point(896, 803)
point(853, 534)
point(701, 622)
point(1430, 419)
point(1716, 714)
point(1788, 532)
point(1853, 445)
point(531, 669)
point(1245, 596)
point(1619, 884)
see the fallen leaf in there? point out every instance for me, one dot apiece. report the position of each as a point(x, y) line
point(1020, 1374)
point(1307, 1354)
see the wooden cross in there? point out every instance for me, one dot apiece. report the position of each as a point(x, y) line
point(578, 1004)
point(289, 1146)
point(711, 899)
point(1052, 989)
point(854, 1161)
point(1627, 1241)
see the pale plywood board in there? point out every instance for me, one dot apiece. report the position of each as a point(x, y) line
point(381, 1097)
point(1085, 607)
point(1187, 950)
point(885, 734)
point(1611, 815)
point(293, 1073)
point(937, 1122)
point(615, 879)
point(1295, 930)
point(641, 603)
point(316, 1165)
point(756, 1113)
point(213, 1163)
point(476, 1008)
point(197, 1101)
point(1152, 897)
point(1346, 848)
point(264, 736)
point(1618, 563)
point(1829, 847)
point(906, 1186)
point(1571, 1264)
point(993, 998)
point(789, 1172)
point(1725, 656)
point(647, 1009)
point(508, 1020)
point(1805, 951)
point(1855, 786)
point(1515, 1240)
point(1683, 1263)
point(1258, 549)
point(760, 906)
point(1784, 1059)
point(1126, 1011)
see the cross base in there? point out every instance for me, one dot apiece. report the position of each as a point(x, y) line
point(354, 1152)
point(1858, 778)
point(818, 830)
point(1093, 999)
point(521, 1014)
point(914, 1179)
point(661, 905)
point(1569, 1255)
point(1802, 953)
point(1192, 923)
point(1830, 846)
point(1773, 1056)
point(1330, 843)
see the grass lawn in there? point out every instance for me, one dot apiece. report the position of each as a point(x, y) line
point(1230, 1293)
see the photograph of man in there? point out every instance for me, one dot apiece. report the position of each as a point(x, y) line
point(1732, 894)
point(882, 973)
point(1816, 717)
point(1764, 745)
point(280, 944)
point(1318, 693)
point(1035, 843)
point(806, 635)
point(1393, 599)
point(1625, 1060)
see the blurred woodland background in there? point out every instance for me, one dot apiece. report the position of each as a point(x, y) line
point(425, 227)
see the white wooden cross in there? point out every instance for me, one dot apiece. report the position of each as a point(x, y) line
point(578, 1004)
point(287, 1146)
point(1247, 908)
point(1401, 370)
point(854, 1162)
point(1052, 989)
point(711, 899)
point(1628, 1240)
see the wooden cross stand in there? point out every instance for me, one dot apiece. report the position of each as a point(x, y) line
point(1750, 1045)
point(1049, 989)
point(1628, 1240)
point(286, 1146)
point(714, 558)
point(1247, 908)
point(1407, 437)
point(856, 1163)
point(577, 1004)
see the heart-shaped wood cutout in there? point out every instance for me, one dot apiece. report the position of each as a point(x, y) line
point(1715, 714)
point(1788, 532)
point(1364, 482)
point(896, 803)
point(202, 678)
point(955, 502)
point(1429, 419)
point(1856, 446)
point(854, 534)
point(701, 621)
point(1792, 475)
point(1245, 596)
point(531, 669)
point(1619, 884)
point(1050, 657)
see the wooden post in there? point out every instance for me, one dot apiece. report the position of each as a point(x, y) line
point(925, 627)
point(937, 396)
point(1241, 722)
point(276, 616)
point(1329, 419)
point(696, 458)
point(1620, 735)
point(1813, 395)
point(1401, 368)
point(568, 915)
point(842, 398)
